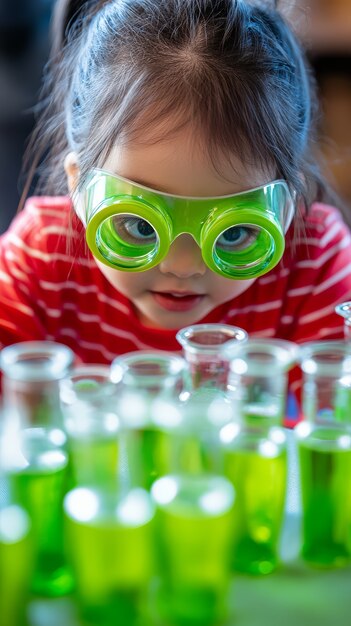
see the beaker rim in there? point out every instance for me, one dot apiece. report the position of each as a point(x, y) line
point(261, 357)
point(86, 374)
point(174, 364)
point(325, 357)
point(220, 334)
point(54, 360)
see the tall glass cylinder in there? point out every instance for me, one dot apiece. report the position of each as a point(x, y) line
point(108, 522)
point(110, 546)
point(202, 345)
point(254, 448)
point(39, 460)
point(93, 427)
point(204, 403)
point(149, 385)
point(192, 537)
point(16, 553)
point(324, 444)
point(193, 510)
point(194, 507)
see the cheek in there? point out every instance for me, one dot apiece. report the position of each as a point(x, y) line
point(227, 289)
point(128, 283)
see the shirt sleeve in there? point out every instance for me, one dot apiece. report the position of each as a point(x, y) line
point(20, 318)
point(320, 279)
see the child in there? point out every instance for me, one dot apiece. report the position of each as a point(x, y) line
point(165, 114)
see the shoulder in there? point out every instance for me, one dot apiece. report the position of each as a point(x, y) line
point(318, 276)
point(42, 212)
point(46, 240)
point(46, 224)
point(325, 223)
point(320, 215)
point(318, 236)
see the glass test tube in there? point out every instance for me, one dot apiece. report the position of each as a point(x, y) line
point(108, 524)
point(31, 374)
point(254, 448)
point(324, 445)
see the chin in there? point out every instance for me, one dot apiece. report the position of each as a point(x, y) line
point(171, 321)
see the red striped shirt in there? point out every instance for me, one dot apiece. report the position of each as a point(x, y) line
point(56, 292)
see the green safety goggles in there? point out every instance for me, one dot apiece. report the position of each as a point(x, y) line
point(130, 227)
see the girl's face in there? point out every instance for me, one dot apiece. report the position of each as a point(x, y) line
point(181, 290)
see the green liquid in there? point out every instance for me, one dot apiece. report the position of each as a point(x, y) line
point(94, 461)
point(15, 564)
point(258, 473)
point(325, 472)
point(110, 548)
point(149, 455)
point(39, 487)
point(196, 453)
point(154, 453)
point(193, 522)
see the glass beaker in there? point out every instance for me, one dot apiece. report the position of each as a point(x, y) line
point(194, 515)
point(89, 406)
point(149, 384)
point(39, 460)
point(324, 446)
point(254, 448)
point(202, 345)
point(108, 524)
point(150, 407)
point(192, 535)
point(204, 404)
point(16, 550)
point(110, 545)
point(15, 563)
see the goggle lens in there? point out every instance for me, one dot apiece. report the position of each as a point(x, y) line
point(237, 238)
point(242, 247)
point(127, 240)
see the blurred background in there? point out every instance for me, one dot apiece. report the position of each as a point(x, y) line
point(324, 26)
point(24, 47)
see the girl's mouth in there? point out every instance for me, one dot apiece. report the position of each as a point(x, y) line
point(177, 301)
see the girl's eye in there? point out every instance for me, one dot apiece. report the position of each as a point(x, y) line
point(134, 229)
point(237, 238)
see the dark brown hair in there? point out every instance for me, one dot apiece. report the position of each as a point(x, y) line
point(230, 69)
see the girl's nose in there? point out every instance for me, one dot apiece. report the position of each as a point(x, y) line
point(183, 259)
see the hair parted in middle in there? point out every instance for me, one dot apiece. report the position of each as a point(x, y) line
point(230, 71)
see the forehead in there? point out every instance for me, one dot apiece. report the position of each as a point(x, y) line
point(181, 165)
